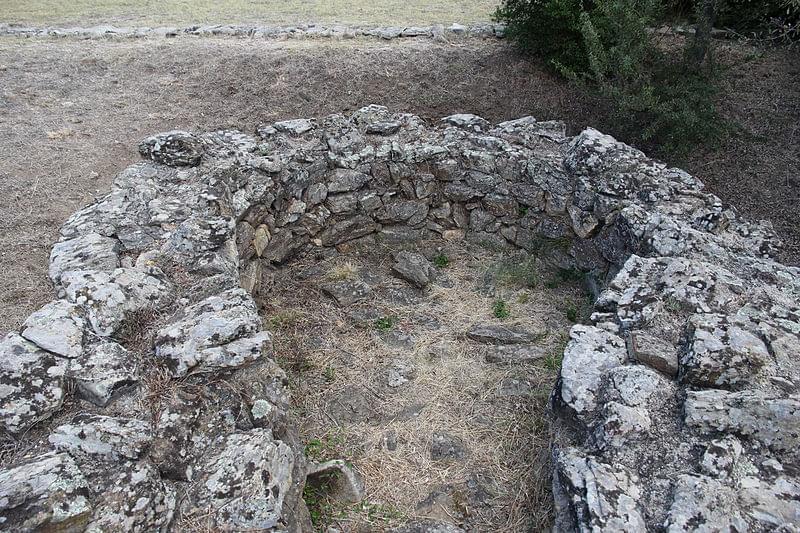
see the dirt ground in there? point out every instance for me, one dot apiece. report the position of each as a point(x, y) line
point(436, 426)
point(71, 113)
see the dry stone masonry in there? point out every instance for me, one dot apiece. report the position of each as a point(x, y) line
point(147, 392)
point(436, 32)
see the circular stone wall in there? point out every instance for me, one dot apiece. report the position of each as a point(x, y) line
point(676, 407)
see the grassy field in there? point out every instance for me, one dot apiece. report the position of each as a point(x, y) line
point(176, 12)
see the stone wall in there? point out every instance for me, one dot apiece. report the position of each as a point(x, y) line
point(676, 407)
point(437, 32)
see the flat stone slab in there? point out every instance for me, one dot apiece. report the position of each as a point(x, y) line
point(347, 291)
point(110, 298)
point(102, 438)
point(245, 479)
point(494, 334)
point(516, 354)
point(57, 327)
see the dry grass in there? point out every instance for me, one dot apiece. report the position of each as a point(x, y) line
point(166, 12)
point(507, 437)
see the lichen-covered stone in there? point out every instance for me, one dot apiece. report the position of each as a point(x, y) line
point(102, 438)
point(414, 267)
point(57, 327)
point(31, 383)
point(771, 420)
point(590, 354)
point(103, 369)
point(46, 493)
point(222, 331)
point(110, 298)
point(721, 354)
point(243, 482)
point(603, 497)
point(173, 148)
point(87, 252)
point(703, 504)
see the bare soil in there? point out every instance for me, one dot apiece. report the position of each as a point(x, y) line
point(71, 113)
point(376, 382)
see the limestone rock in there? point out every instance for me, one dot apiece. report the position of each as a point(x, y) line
point(703, 504)
point(770, 420)
point(415, 268)
point(102, 438)
point(222, 331)
point(46, 493)
point(295, 127)
point(589, 355)
point(347, 291)
point(102, 370)
point(173, 148)
point(109, 299)
point(133, 498)
point(493, 334)
point(600, 497)
point(31, 383)
point(515, 354)
point(345, 180)
point(57, 327)
point(87, 252)
point(245, 480)
point(347, 230)
point(721, 354)
point(337, 480)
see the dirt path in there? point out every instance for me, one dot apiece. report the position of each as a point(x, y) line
point(439, 425)
point(71, 113)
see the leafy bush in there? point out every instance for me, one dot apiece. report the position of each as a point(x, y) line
point(745, 16)
point(654, 97)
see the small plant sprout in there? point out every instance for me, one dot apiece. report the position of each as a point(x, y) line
point(342, 272)
point(385, 323)
point(441, 260)
point(500, 309)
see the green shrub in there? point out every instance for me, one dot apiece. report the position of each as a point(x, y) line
point(547, 28)
point(653, 98)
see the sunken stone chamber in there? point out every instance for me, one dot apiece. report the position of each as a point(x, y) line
point(676, 407)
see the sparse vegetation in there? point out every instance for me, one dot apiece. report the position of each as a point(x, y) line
point(385, 323)
point(285, 318)
point(519, 272)
point(571, 312)
point(441, 260)
point(343, 271)
point(500, 309)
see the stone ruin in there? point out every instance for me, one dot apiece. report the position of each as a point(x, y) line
point(676, 408)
